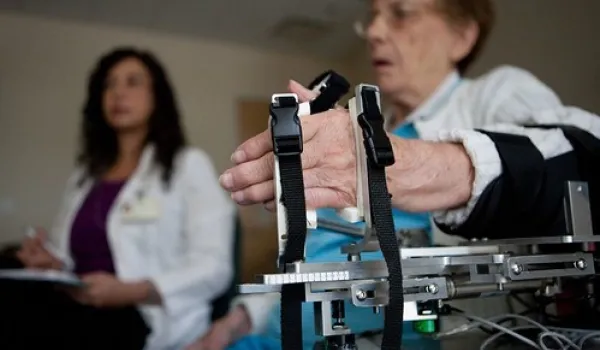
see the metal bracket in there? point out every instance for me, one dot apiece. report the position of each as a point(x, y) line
point(549, 266)
point(323, 324)
point(577, 209)
point(578, 217)
point(370, 294)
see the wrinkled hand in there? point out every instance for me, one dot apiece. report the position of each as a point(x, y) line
point(105, 290)
point(328, 161)
point(224, 331)
point(33, 254)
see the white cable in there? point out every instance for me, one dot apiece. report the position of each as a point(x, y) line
point(495, 337)
point(558, 337)
point(469, 326)
point(546, 332)
point(587, 337)
point(502, 329)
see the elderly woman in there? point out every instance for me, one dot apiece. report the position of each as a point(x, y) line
point(420, 50)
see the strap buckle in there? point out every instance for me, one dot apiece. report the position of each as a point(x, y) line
point(286, 131)
point(377, 144)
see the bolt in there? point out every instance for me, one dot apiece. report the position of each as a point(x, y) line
point(432, 289)
point(361, 295)
point(354, 257)
point(580, 264)
point(516, 269)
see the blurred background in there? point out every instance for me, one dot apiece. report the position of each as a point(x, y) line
point(225, 59)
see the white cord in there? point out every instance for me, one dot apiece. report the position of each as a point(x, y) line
point(558, 337)
point(564, 341)
point(469, 326)
point(587, 337)
point(567, 338)
point(502, 329)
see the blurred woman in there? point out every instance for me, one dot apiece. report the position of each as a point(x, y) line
point(143, 223)
point(420, 51)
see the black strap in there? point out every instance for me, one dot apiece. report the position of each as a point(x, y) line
point(380, 155)
point(287, 147)
point(332, 87)
point(292, 187)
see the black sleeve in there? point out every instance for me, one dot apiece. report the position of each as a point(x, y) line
point(527, 200)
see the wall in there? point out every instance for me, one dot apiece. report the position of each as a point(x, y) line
point(43, 70)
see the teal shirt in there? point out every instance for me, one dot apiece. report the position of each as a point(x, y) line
point(324, 246)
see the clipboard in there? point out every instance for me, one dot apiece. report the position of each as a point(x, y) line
point(45, 276)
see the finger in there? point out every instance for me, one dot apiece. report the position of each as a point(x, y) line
point(261, 170)
point(247, 174)
point(28, 244)
point(80, 297)
point(41, 235)
point(327, 198)
point(259, 145)
point(303, 93)
point(253, 148)
point(24, 257)
point(265, 191)
point(321, 198)
point(270, 206)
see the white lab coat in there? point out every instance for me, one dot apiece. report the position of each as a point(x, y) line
point(180, 238)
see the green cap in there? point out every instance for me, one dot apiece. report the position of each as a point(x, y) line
point(425, 326)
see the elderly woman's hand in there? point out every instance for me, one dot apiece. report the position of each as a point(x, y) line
point(328, 161)
point(426, 175)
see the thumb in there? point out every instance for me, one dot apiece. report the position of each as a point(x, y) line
point(41, 234)
point(303, 93)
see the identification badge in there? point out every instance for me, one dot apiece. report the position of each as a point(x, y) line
point(143, 209)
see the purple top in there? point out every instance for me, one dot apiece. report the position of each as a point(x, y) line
point(89, 243)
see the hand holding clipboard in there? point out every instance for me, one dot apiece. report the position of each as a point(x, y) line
point(36, 252)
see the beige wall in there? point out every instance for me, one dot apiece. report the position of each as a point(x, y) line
point(43, 70)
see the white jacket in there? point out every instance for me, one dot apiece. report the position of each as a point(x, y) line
point(180, 238)
point(506, 94)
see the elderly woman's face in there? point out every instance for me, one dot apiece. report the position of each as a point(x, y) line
point(410, 43)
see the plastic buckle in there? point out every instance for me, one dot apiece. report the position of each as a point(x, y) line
point(377, 144)
point(286, 130)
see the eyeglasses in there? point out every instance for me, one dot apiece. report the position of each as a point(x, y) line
point(394, 13)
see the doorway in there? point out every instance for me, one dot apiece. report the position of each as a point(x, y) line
point(259, 227)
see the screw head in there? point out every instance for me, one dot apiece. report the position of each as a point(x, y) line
point(580, 264)
point(432, 288)
point(361, 295)
point(516, 269)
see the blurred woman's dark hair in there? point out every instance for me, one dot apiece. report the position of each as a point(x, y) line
point(99, 146)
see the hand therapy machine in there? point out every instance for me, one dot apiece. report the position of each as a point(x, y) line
point(410, 284)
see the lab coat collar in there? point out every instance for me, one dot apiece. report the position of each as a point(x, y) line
point(145, 165)
point(428, 108)
point(146, 160)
